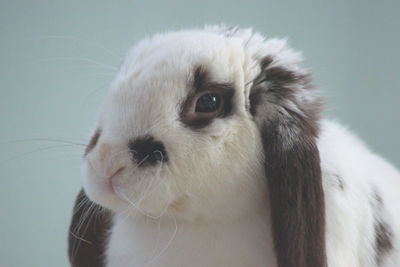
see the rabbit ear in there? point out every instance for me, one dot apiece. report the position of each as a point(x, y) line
point(88, 233)
point(286, 111)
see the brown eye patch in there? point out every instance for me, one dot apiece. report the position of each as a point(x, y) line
point(206, 101)
point(93, 142)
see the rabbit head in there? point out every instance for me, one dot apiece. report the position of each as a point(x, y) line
point(213, 124)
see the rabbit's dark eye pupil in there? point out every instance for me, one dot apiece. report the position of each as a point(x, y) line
point(208, 103)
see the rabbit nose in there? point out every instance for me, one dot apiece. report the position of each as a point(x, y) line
point(111, 162)
point(146, 151)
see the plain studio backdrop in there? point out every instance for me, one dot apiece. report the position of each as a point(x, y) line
point(57, 59)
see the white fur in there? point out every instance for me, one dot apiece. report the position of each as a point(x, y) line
point(207, 205)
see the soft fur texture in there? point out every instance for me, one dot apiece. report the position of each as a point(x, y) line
point(263, 182)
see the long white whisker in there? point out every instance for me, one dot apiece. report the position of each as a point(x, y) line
point(77, 228)
point(169, 241)
point(80, 238)
point(42, 140)
point(80, 205)
point(137, 207)
point(35, 151)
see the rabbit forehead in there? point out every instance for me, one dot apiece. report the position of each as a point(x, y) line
point(158, 75)
point(181, 50)
point(173, 58)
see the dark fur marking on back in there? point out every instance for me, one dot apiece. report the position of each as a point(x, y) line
point(383, 241)
point(289, 128)
point(86, 240)
point(383, 233)
point(339, 181)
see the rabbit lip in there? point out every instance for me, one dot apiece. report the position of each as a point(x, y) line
point(117, 172)
point(110, 186)
point(114, 189)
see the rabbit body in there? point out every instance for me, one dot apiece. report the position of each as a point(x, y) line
point(209, 151)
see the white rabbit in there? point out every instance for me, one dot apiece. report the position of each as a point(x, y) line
point(210, 151)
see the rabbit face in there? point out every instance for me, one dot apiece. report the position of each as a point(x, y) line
point(176, 135)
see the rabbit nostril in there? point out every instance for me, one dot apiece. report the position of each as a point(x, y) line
point(119, 171)
point(146, 151)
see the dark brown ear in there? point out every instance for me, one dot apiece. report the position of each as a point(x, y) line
point(286, 112)
point(88, 233)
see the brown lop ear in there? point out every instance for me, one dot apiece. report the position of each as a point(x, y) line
point(286, 111)
point(88, 231)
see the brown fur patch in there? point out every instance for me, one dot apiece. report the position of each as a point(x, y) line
point(88, 233)
point(93, 142)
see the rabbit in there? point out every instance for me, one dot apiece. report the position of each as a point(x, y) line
point(210, 150)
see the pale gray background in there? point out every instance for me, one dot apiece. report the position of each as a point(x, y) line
point(57, 59)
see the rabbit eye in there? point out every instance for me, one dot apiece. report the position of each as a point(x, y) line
point(208, 103)
point(207, 100)
point(201, 109)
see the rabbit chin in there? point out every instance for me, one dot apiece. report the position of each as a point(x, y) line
point(126, 194)
point(140, 194)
